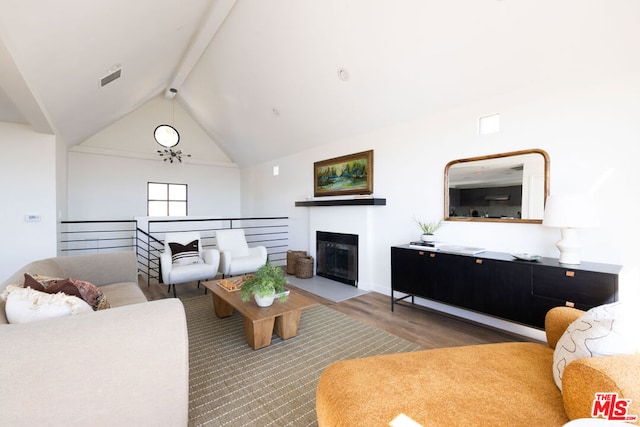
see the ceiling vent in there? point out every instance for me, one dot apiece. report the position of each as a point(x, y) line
point(113, 75)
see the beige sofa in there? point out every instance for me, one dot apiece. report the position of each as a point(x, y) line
point(506, 384)
point(126, 365)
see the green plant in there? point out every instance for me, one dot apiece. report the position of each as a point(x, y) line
point(268, 280)
point(429, 227)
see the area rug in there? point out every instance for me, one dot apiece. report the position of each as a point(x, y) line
point(231, 384)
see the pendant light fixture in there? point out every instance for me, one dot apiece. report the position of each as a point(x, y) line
point(167, 136)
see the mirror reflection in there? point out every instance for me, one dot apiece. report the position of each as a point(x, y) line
point(507, 187)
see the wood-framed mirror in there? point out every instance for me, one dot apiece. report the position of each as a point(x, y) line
point(506, 187)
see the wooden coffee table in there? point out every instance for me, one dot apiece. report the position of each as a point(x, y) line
point(261, 322)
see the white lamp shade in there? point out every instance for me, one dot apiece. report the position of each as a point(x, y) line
point(570, 211)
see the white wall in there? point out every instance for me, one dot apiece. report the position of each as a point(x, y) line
point(589, 130)
point(28, 186)
point(108, 173)
point(110, 187)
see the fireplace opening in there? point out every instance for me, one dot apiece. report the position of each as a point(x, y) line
point(337, 257)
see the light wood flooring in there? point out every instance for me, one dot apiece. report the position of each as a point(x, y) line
point(425, 327)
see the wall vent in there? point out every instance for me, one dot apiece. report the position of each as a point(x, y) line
point(110, 77)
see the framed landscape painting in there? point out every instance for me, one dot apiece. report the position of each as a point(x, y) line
point(352, 174)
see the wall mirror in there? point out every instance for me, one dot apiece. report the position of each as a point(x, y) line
point(507, 187)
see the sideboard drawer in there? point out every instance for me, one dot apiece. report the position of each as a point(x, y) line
point(586, 288)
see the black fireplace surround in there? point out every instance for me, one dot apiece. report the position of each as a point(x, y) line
point(337, 257)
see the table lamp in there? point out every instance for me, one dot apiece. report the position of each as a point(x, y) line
point(570, 212)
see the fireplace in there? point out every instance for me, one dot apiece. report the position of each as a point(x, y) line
point(337, 257)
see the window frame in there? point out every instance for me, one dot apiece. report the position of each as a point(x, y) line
point(167, 199)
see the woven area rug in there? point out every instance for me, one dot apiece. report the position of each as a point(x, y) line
point(231, 384)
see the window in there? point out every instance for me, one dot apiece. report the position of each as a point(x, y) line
point(166, 199)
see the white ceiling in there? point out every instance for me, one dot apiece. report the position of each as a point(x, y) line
point(261, 77)
point(8, 110)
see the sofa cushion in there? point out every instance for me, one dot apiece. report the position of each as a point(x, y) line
point(25, 305)
point(605, 330)
point(89, 292)
point(123, 293)
point(185, 254)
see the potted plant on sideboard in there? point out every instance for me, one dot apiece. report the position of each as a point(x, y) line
point(265, 285)
point(429, 229)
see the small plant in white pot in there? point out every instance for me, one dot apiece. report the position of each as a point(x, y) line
point(429, 229)
point(265, 285)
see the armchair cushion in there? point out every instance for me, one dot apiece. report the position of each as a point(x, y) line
point(232, 242)
point(192, 272)
point(236, 257)
point(184, 260)
point(245, 264)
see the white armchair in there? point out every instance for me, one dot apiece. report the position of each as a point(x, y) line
point(184, 260)
point(236, 257)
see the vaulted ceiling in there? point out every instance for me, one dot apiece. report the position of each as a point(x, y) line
point(266, 79)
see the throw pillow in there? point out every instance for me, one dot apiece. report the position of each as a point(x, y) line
point(50, 285)
point(185, 254)
point(25, 305)
point(89, 292)
point(605, 330)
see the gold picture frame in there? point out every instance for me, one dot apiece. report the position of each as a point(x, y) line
point(351, 174)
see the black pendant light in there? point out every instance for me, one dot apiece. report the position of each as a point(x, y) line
point(169, 137)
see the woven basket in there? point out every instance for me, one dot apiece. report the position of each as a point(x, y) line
point(304, 267)
point(291, 260)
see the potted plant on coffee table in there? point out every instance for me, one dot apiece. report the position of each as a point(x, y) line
point(265, 285)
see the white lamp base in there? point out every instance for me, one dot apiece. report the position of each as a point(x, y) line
point(569, 246)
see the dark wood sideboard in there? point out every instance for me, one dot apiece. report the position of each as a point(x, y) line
point(499, 285)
